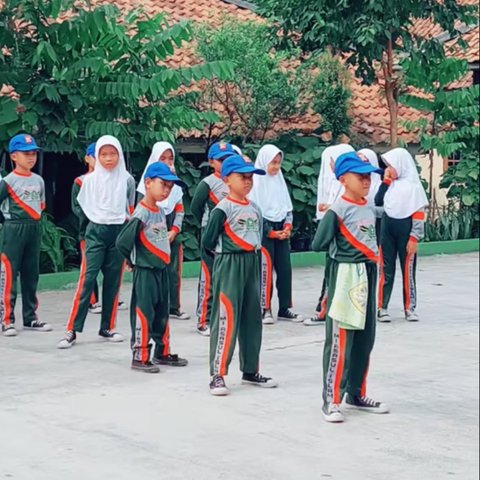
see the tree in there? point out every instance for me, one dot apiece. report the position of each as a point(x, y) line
point(450, 123)
point(79, 74)
point(262, 92)
point(370, 33)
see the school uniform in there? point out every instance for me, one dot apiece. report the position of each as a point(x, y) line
point(404, 201)
point(105, 198)
point(271, 194)
point(144, 243)
point(175, 213)
point(234, 233)
point(22, 199)
point(210, 191)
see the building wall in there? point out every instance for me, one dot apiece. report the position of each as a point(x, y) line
point(439, 166)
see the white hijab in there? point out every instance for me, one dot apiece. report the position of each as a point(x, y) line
point(103, 194)
point(405, 195)
point(176, 193)
point(376, 179)
point(329, 188)
point(270, 192)
point(237, 149)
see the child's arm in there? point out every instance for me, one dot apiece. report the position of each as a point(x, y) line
point(326, 231)
point(213, 229)
point(126, 239)
point(3, 196)
point(199, 200)
point(417, 232)
point(179, 215)
point(76, 209)
point(42, 195)
point(382, 190)
point(131, 194)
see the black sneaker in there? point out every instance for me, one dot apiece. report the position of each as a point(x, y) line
point(289, 316)
point(172, 360)
point(147, 367)
point(9, 330)
point(258, 380)
point(111, 336)
point(38, 326)
point(68, 341)
point(365, 404)
point(315, 320)
point(179, 315)
point(217, 386)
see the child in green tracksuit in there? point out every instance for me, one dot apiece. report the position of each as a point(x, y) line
point(105, 198)
point(173, 208)
point(234, 236)
point(144, 243)
point(404, 201)
point(22, 200)
point(347, 232)
point(83, 221)
point(210, 191)
point(271, 194)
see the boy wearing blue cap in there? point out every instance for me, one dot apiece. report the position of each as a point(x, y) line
point(233, 236)
point(209, 192)
point(22, 200)
point(347, 232)
point(145, 245)
point(83, 221)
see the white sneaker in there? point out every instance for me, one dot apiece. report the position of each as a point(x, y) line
point(38, 326)
point(122, 306)
point(290, 316)
point(267, 318)
point(365, 404)
point(96, 308)
point(332, 413)
point(68, 341)
point(258, 380)
point(9, 331)
point(111, 336)
point(179, 315)
point(314, 321)
point(411, 315)
point(218, 387)
point(383, 315)
point(203, 330)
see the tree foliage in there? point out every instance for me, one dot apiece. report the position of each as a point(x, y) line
point(371, 33)
point(450, 125)
point(81, 73)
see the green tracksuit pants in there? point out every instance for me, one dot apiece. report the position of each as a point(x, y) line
point(175, 273)
point(149, 312)
point(94, 295)
point(20, 247)
point(276, 256)
point(101, 254)
point(346, 353)
point(394, 237)
point(204, 302)
point(236, 312)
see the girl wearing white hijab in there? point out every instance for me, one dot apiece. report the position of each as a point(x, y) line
point(328, 190)
point(370, 156)
point(105, 198)
point(404, 200)
point(173, 208)
point(271, 195)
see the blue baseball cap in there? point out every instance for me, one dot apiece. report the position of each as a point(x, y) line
point(22, 143)
point(160, 170)
point(219, 150)
point(351, 163)
point(91, 150)
point(237, 164)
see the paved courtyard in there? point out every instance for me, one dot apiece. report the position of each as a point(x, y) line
point(83, 414)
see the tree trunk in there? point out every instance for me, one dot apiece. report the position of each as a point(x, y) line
point(391, 87)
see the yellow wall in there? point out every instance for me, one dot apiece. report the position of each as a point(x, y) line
point(438, 169)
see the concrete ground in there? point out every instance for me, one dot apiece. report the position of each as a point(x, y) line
point(83, 414)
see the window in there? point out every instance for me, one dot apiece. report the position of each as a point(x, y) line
point(454, 159)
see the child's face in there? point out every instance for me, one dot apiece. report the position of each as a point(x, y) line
point(240, 183)
point(25, 160)
point(167, 158)
point(90, 161)
point(158, 189)
point(274, 166)
point(356, 184)
point(108, 157)
point(217, 164)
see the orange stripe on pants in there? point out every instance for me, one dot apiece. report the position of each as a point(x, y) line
point(166, 340)
point(78, 292)
point(407, 279)
point(142, 336)
point(226, 323)
point(337, 397)
point(7, 281)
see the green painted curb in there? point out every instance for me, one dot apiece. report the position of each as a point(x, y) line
point(66, 280)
